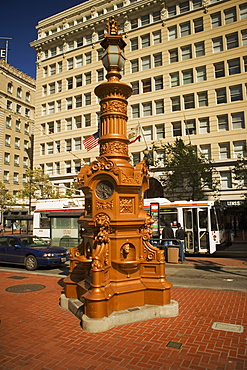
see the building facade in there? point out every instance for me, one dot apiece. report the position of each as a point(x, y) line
point(17, 107)
point(186, 62)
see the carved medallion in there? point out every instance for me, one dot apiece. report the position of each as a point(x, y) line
point(126, 205)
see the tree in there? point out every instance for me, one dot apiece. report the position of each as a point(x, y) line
point(240, 174)
point(187, 175)
point(6, 200)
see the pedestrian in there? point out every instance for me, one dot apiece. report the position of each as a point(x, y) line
point(1, 228)
point(180, 235)
point(167, 233)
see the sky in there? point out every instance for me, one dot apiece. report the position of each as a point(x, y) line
point(18, 21)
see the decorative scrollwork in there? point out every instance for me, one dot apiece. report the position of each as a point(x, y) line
point(105, 205)
point(126, 205)
point(114, 147)
point(101, 242)
point(102, 164)
point(114, 106)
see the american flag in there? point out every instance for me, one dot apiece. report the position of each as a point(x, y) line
point(91, 141)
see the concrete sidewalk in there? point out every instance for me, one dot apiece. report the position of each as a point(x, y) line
point(36, 333)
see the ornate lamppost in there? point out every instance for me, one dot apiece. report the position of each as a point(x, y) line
point(115, 268)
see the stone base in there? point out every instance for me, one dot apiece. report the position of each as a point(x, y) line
point(117, 318)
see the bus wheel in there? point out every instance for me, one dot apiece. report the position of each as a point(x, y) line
point(31, 263)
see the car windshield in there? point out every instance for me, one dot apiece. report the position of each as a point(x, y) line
point(33, 241)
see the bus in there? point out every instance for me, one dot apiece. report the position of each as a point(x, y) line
point(56, 221)
point(201, 220)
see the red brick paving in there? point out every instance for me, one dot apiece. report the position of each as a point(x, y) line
point(36, 333)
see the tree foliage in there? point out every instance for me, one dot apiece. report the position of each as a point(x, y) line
point(6, 200)
point(187, 175)
point(38, 185)
point(240, 174)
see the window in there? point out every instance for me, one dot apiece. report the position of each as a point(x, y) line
point(69, 103)
point(185, 29)
point(100, 75)
point(156, 37)
point(204, 125)
point(245, 64)
point(58, 146)
point(145, 40)
point(49, 169)
point(135, 87)
point(50, 126)
point(28, 96)
point(219, 70)
point(230, 15)
point(79, 42)
point(17, 143)
point(158, 60)
point(88, 58)
point(184, 7)
point(87, 120)
point(160, 131)
point(145, 20)
point(202, 99)
point(205, 151)
point(148, 132)
point(172, 33)
point(199, 49)
point(189, 101)
point(70, 83)
point(16, 178)
point(217, 44)
point(6, 176)
point(51, 108)
point(224, 149)
point(136, 157)
point(225, 179)
point(88, 39)
point(77, 143)
point(10, 88)
point(243, 11)
point(135, 111)
point(43, 109)
point(53, 51)
point(78, 80)
point(146, 85)
point(68, 124)
point(239, 149)
point(78, 122)
point(147, 109)
point(8, 122)
point(78, 61)
point(45, 72)
point(59, 86)
point(88, 78)
point(236, 93)
point(42, 149)
point(237, 120)
point(68, 145)
point(100, 35)
point(18, 108)
point(78, 101)
point(25, 162)
point(198, 25)
point(134, 23)
point(6, 158)
point(52, 69)
point(176, 129)
point(196, 4)
point(174, 79)
point(70, 63)
point(156, 16)
point(244, 37)
point(159, 106)
point(18, 125)
point(158, 83)
point(57, 168)
point(100, 53)
point(50, 149)
point(60, 67)
point(216, 20)
point(232, 41)
point(175, 103)
point(173, 55)
point(221, 95)
point(187, 76)
point(58, 126)
point(172, 10)
point(52, 88)
point(186, 52)
point(134, 65)
point(9, 104)
point(87, 98)
point(201, 74)
point(146, 63)
point(19, 91)
point(134, 44)
point(190, 127)
point(223, 122)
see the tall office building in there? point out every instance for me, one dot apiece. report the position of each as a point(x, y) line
point(186, 62)
point(17, 106)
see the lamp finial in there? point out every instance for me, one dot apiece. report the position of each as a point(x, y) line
point(112, 26)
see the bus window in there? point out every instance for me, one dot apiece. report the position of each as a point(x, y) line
point(187, 219)
point(64, 223)
point(213, 220)
point(44, 221)
point(168, 215)
point(203, 219)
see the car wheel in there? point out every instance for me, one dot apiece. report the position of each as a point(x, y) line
point(31, 263)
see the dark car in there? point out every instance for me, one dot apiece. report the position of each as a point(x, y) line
point(30, 251)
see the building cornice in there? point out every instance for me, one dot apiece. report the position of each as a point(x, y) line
point(16, 73)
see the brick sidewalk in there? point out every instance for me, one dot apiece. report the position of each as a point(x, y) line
point(36, 333)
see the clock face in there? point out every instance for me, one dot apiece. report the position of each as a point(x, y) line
point(104, 189)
